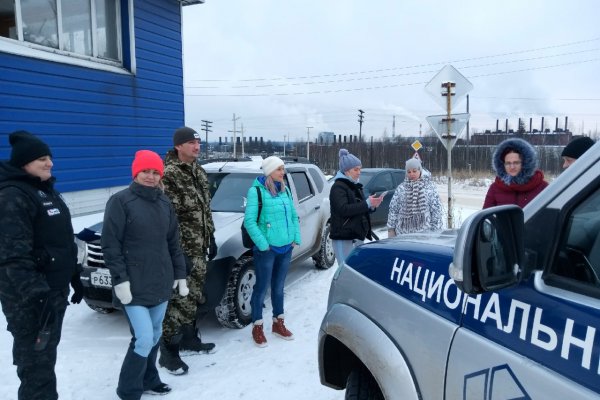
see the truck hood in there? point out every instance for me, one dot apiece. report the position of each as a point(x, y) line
point(222, 219)
point(414, 267)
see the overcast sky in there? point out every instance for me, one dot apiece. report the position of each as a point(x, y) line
point(282, 66)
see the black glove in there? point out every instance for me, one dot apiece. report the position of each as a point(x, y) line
point(212, 248)
point(77, 289)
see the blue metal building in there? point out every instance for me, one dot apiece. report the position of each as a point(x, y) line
point(96, 79)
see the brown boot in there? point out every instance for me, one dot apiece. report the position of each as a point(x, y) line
point(280, 330)
point(258, 335)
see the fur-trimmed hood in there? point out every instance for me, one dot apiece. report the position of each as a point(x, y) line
point(528, 154)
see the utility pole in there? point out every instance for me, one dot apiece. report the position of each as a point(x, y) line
point(468, 162)
point(448, 89)
point(360, 122)
point(206, 128)
point(308, 142)
point(242, 131)
point(234, 136)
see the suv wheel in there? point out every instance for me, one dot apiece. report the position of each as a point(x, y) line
point(235, 311)
point(362, 386)
point(325, 258)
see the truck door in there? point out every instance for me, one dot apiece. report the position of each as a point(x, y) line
point(307, 206)
point(540, 339)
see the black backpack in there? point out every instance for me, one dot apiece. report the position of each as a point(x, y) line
point(246, 239)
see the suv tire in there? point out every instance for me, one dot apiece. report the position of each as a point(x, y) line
point(362, 386)
point(325, 258)
point(235, 311)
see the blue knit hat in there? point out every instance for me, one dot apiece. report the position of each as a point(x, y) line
point(348, 161)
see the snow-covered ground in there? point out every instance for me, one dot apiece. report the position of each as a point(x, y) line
point(93, 345)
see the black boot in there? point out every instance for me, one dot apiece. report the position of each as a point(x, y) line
point(131, 378)
point(192, 344)
point(152, 382)
point(169, 356)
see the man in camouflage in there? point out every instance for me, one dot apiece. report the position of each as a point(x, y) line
point(186, 184)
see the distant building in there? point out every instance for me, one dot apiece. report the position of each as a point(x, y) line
point(326, 138)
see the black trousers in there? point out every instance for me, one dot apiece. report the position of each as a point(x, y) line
point(34, 368)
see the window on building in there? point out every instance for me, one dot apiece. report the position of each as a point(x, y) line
point(89, 28)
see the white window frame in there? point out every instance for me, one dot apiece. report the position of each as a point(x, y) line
point(28, 49)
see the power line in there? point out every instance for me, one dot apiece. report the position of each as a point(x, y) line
point(392, 75)
point(406, 67)
point(389, 86)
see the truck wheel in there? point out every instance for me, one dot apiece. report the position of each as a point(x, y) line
point(362, 386)
point(234, 311)
point(325, 258)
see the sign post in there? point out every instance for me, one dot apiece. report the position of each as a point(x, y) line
point(446, 86)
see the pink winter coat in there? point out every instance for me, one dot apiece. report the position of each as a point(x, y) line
point(500, 193)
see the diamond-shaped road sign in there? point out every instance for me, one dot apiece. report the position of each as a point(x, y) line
point(437, 87)
point(448, 131)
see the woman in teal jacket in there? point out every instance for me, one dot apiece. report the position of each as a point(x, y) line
point(274, 234)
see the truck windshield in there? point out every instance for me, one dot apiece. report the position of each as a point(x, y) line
point(228, 191)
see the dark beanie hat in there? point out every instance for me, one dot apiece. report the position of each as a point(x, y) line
point(26, 148)
point(184, 135)
point(577, 147)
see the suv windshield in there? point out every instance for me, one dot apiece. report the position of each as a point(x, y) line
point(228, 191)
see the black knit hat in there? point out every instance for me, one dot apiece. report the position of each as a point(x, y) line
point(184, 135)
point(577, 147)
point(26, 148)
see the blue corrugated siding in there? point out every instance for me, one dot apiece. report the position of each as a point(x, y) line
point(94, 120)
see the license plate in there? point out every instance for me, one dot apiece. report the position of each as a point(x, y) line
point(101, 279)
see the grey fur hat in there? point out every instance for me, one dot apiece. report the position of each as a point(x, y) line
point(528, 156)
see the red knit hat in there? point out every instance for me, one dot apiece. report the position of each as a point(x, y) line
point(146, 159)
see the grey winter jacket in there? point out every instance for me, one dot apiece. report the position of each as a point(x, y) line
point(140, 243)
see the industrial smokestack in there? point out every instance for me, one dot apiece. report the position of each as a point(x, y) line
point(542, 128)
point(530, 125)
point(497, 124)
point(506, 126)
point(566, 123)
point(556, 125)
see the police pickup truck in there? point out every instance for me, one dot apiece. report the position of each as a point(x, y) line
point(508, 307)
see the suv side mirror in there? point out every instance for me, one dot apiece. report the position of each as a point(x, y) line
point(489, 250)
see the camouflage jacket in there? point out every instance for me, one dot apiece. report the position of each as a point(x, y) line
point(187, 187)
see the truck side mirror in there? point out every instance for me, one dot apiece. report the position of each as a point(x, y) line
point(489, 250)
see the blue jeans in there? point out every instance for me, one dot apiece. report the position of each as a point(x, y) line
point(270, 268)
point(146, 326)
point(343, 248)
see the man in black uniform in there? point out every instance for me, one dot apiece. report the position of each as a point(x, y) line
point(38, 259)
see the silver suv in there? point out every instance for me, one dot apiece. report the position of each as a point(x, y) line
point(230, 276)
